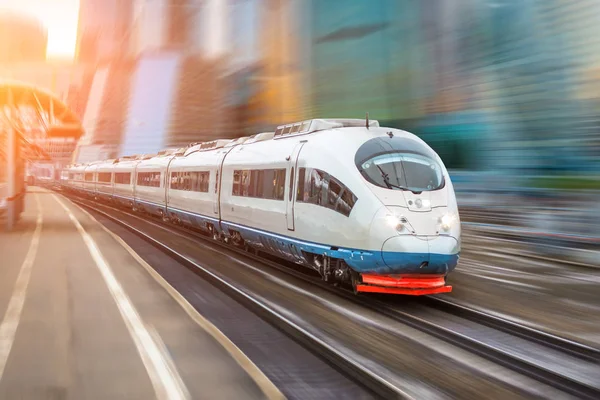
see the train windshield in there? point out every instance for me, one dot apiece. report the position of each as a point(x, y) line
point(403, 164)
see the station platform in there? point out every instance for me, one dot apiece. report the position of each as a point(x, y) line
point(81, 317)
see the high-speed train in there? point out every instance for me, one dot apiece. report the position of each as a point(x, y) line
point(369, 206)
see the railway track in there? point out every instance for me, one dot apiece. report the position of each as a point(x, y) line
point(514, 359)
point(369, 379)
point(558, 343)
point(532, 256)
point(547, 373)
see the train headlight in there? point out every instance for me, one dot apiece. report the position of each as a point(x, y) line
point(447, 221)
point(395, 222)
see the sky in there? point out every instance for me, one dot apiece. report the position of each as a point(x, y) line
point(60, 18)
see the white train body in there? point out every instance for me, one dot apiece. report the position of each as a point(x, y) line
point(373, 206)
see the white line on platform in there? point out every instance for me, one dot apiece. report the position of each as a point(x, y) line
point(161, 370)
point(10, 323)
point(268, 388)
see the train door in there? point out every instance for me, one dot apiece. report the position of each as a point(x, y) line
point(292, 184)
point(167, 182)
point(134, 185)
point(218, 178)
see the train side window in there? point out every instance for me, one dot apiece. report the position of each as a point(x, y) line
point(89, 177)
point(181, 184)
point(120, 178)
point(104, 177)
point(339, 197)
point(315, 189)
point(237, 180)
point(333, 192)
point(201, 181)
point(320, 188)
point(193, 181)
point(279, 184)
point(345, 202)
point(151, 179)
point(260, 183)
point(245, 183)
point(300, 185)
point(269, 183)
point(205, 181)
point(186, 181)
point(252, 179)
point(180, 181)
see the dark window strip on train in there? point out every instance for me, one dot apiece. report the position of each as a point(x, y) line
point(89, 177)
point(123, 178)
point(151, 179)
point(193, 181)
point(320, 188)
point(259, 183)
point(105, 177)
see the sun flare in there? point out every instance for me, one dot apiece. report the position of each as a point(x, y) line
point(60, 18)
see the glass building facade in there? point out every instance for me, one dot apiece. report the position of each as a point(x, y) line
point(488, 83)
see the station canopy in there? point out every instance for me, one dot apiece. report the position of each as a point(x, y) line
point(36, 114)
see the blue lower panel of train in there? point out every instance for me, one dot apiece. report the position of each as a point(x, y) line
point(362, 261)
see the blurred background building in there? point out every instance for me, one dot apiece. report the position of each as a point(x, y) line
point(497, 85)
point(28, 39)
point(103, 28)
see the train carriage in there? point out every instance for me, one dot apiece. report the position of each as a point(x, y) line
point(253, 191)
point(193, 187)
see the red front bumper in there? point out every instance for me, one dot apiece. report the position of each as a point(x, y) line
point(415, 285)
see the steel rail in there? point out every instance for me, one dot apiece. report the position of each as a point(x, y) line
point(547, 339)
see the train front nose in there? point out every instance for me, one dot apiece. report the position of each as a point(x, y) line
point(412, 254)
point(418, 250)
point(424, 243)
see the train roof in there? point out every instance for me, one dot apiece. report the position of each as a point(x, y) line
point(283, 131)
point(316, 125)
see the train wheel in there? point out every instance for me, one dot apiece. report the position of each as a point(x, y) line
point(355, 279)
point(163, 216)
